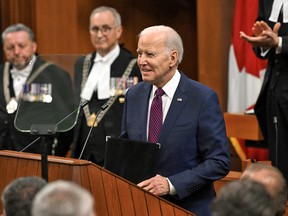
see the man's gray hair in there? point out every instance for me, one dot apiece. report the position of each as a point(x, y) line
point(63, 198)
point(173, 40)
point(114, 12)
point(16, 28)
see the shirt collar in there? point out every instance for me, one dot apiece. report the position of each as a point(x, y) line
point(171, 86)
point(111, 56)
point(25, 72)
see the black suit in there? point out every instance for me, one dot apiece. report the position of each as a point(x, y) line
point(110, 125)
point(272, 104)
point(13, 139)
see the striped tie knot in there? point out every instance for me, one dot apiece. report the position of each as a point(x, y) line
point(159, 92)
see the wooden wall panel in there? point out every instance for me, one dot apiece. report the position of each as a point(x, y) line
point(13, 11)
point(57, 27)
point(214, 22)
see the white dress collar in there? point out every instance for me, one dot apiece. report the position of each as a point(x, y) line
point(276, 9)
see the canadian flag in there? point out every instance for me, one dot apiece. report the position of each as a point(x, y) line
point(246, 73)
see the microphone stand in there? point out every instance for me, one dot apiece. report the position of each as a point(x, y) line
point(44, 131)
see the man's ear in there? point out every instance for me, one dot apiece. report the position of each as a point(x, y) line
point(119, 31)
point(173, 58)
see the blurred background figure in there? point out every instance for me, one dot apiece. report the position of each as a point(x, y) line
point(23, 68)
point(100, 77)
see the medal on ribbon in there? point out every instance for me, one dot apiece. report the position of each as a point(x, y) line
point(91, 120)
point(12, 106)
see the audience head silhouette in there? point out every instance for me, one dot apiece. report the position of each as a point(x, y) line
point(243, 198)
point(63, 198)
point(273, 180)
point(17, 197)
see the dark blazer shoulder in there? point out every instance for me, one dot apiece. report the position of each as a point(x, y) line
point(124, 57)
point(121, 62)
point(192, 86)
point(139, 88)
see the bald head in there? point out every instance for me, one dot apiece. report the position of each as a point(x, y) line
point(268, 175)
point(272, 179)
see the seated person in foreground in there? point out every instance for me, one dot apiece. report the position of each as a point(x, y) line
point(273, 180)
point(243, 198)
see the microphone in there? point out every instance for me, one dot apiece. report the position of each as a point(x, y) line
point(103, 107)
point(275, 121)
point(81, 105)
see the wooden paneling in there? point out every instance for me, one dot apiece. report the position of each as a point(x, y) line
point(13, 11)
point(57, 28)
point(214, 22)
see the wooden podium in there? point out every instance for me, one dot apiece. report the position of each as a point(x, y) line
point(113, 195)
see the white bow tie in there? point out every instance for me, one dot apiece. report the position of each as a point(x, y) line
point(276, 9)
point(19, 73)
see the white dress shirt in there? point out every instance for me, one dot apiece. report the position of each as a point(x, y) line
point(169, 89)
point(99, 77)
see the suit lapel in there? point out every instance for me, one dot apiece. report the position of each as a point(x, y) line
point(178, 102)
point(144, 99)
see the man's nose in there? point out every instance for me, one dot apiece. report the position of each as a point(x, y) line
point(16, 50)
point(142, 60)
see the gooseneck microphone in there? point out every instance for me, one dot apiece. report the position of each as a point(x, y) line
point(80, 106)
point(103, 107)
point(275, 121)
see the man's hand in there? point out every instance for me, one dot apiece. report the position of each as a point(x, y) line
point(263, 35)
point(157, 185)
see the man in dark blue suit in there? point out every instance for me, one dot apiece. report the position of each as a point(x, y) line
point(194, 148)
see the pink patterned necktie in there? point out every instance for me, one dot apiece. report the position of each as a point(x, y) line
point(156, 116)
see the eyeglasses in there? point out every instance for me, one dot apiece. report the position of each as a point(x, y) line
point(105, 29)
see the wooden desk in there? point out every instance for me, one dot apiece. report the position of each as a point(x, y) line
point(242, 126)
